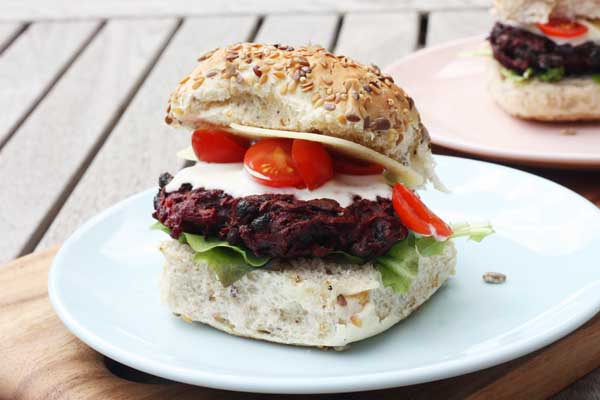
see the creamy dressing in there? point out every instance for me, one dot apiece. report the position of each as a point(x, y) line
point(434, 234)
point(592, 35)
point(233, 179)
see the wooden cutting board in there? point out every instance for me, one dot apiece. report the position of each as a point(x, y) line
point(40, 359)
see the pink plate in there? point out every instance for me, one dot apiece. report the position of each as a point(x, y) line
point(449, 89)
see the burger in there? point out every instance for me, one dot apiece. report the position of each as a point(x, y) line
point(547, 59)
point(298, 222)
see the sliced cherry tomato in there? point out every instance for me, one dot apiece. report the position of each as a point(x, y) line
point(350, 166)
point(313, 162)
point(270, 163)
point(415, 215)
point(563, 27)
point(216, 146)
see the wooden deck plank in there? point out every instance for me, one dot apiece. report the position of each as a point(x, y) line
point(298, 30)
point(8, 31)
point(32, 63)
point(378, 38)
point(142, 146)
point(41, 9)
point(40, 161)
point(449, 25)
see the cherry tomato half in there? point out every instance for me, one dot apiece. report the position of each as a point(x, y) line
point(415, 215)
point(350, 166)
point(313, 162)
point(270, 163)
point(216, 146)
point(563, 27)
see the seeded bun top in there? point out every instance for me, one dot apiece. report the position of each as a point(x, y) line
point(532, 11)
point(306, 89)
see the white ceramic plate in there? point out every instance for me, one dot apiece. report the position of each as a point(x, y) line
point(104, 286)
point(449, 89)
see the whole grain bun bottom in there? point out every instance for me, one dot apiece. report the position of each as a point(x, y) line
point(571, 99)
point(307, 302)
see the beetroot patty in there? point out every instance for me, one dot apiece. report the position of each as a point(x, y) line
point(281, 226)
point(518, 50)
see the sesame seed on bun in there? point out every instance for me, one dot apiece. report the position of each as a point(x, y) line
point(305, 89)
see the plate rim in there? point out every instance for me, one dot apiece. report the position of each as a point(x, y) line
point(547, 159)
point(311, 385)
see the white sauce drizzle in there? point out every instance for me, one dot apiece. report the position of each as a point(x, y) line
point(234, 180)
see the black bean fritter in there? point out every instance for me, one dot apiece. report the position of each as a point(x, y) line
point(281, 226)
point(519, 50)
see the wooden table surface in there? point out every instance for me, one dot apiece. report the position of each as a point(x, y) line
point(84, 86)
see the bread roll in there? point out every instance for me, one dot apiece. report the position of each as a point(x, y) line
point(532, 11)
point(307, 302)
point(571, 99)
point(307, 89)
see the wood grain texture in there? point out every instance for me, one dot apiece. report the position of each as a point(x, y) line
point(41, 9)
point(450, 25)
point(8, 31)
point(42, 360)
point(549, 371)
point(43, 157)
point(298, 30)
point(587, 388)
point(378, 38)
point(142, 146)
point(29, 328)
point(32, 63)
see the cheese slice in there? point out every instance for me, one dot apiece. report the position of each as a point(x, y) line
point(394, 170)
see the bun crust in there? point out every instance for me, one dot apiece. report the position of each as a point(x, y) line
point(307, 302)
point(532, 11)
point(571, 99)
point(306, 89)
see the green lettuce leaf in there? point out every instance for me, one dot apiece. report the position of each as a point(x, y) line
point(596, 78)
point(342, 257)
point(551, 75)
point(515, 77)
point(400, 265)
point(200, 244)
point(229, 262)
point(476, 232)
point(428, 246)
point(160, 227)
